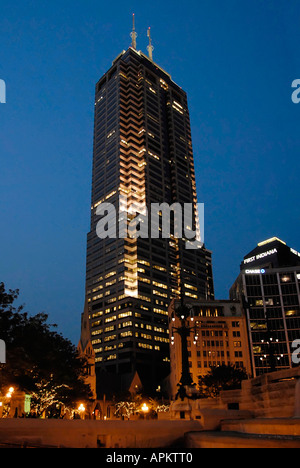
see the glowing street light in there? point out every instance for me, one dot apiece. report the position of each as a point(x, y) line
point(145, 408)
point(81, 409)
point(10, 392)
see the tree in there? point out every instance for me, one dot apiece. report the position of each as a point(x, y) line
point(40, 361)
point(125, 409)
point(224, 377)
point(128, 406)
point(159, 406)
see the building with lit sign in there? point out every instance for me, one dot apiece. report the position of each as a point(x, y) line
point(142, 151)
point(269, 287)
point(220, 337)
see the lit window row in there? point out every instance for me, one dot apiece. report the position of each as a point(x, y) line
point(110, 319)
point(189, 286)
point(194, 296)
point(144, 298)
point(110, 348)
point(144, 262)
point(161, 330)
point(158, 293)
point(126, 334)
point(160, 268)
point(95, 206)
point(125, 314)
point(145, 336)
point(145, 346)
point(111, 357)
point(161, 339)
point(160, 311)
point(111, 134)
point(160, 285)
point(110, 338)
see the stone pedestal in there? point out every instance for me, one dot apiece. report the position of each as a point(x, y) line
point(181, 409)
point(19, 405)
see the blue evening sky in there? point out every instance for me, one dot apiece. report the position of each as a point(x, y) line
point(236, 59)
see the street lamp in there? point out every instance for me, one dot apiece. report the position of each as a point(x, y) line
point(183, 312)
point(6, 403)
point(10, 392)
point(81, 409)
point(145, 409)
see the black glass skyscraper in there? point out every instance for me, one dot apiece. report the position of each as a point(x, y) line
point(143, 155)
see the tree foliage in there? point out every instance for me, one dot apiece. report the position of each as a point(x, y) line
point(224, 377)
point(38, 358)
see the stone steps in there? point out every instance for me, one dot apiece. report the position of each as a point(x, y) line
point(263, 426)
point(238, 440)
point(252, 433)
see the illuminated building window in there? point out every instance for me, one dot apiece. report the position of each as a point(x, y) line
point(159, 293)
point(125, 314)
point(125, 324)
point(146, 337)
point(110, 338)
point(111, 357)
point(110, 319)
point(126, 334)
point(145, 346)
point(160, 285)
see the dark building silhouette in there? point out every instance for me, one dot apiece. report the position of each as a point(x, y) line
point(143, 154)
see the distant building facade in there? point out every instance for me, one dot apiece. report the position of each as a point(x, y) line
point(220, 338)
point(269, 287)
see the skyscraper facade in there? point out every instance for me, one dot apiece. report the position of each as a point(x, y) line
point(269, 287)
point(142, 155)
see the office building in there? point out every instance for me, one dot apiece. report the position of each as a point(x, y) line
point(142, 155)
point(269, 287)
point(218, 337)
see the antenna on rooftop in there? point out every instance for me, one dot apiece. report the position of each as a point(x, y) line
point(150, 47)
point(133, 34)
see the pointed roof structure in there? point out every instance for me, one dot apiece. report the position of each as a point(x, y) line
point(85, 337)
point(85, 349)
point(136, 384)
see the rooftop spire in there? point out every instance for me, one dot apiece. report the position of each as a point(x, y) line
point(150, 47)
point(133, 34)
